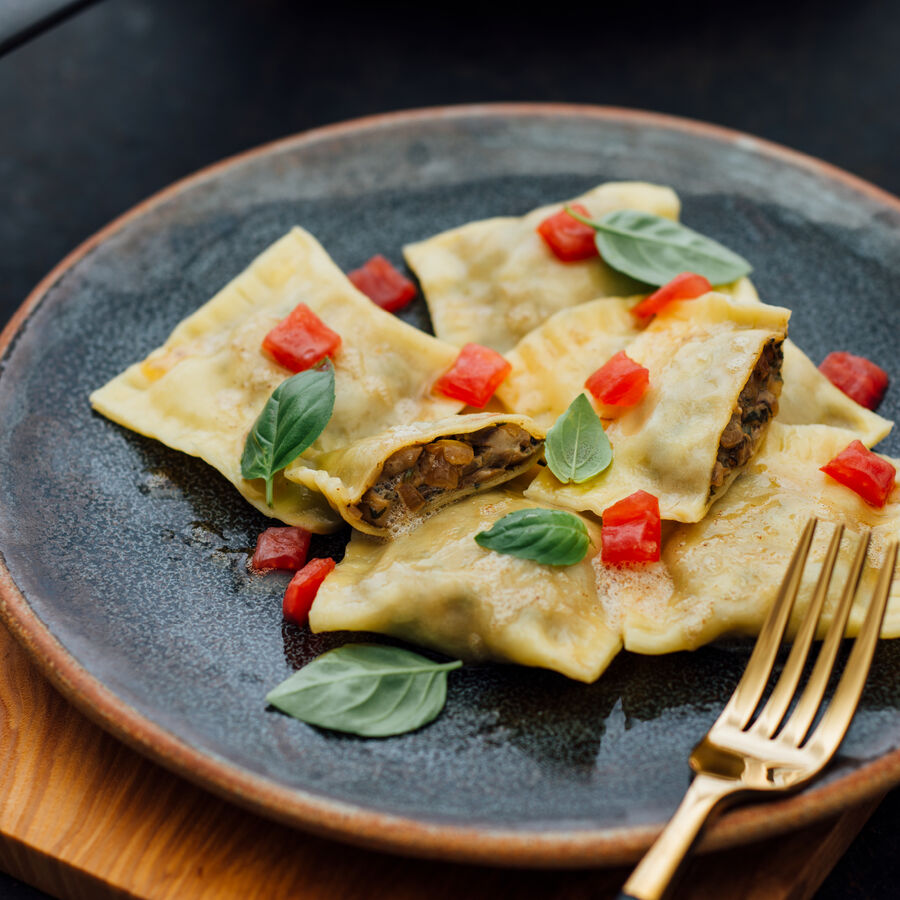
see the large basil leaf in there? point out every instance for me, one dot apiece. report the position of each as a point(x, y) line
point(366, 689)
point(577, 447)
point(293, 417)
point(653, 249)
point(548, 536)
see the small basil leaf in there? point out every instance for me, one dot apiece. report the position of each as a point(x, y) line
point(548, 536)
point(654, 249)
point(366, 689)
point(293, 417)
point(577, 447)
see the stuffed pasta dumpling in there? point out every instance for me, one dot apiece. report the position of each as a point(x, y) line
point(714, 371)
point(437, 587)
point(719, 576)
point(493, 281)
point(389, 482)
point(203, 389)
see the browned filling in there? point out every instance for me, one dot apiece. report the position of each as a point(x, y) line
point(415, 475)
point(757, 404)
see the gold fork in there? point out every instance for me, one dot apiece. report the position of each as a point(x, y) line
point(739, 756)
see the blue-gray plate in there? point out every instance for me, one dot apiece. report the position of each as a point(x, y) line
point(124, 563)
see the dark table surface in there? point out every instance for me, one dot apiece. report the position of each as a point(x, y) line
point(129, 95)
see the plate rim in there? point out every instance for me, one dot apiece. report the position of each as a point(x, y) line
point(355, 824)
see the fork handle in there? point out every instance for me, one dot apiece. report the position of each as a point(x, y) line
point(656, 870)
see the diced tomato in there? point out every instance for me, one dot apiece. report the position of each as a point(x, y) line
point(619, 383)
point(686, 286)
point(281, 548)
point(863, 471)
point(860, 379)
point(302, 590)
point(632, 530)
point(474, 376)
point(301, 340)
point(383, 284)
point(569, 239)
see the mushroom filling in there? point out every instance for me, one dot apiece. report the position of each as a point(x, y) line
point(756, 406)
point(413, 476)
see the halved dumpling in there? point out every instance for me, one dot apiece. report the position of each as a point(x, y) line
point(714, 383)
point(491, 282)
point(720, 576)
point(203, 389)
point(436, 587)
point(391, 481)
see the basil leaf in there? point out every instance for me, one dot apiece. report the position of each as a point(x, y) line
point(548, 536)
point(577, 447)
point(293, 417)
point(653, 249)
point(366, 689)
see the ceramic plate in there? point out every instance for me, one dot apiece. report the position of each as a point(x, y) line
point(125, 562)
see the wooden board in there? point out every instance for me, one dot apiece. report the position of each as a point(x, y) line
point(83, 816)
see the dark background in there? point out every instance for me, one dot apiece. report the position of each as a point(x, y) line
point(129, 95)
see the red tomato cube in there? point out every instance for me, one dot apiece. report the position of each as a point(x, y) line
point(620, 382)
point(474, 376)
point(301, 340)
point(863, 471)
point(686, 286)
point(281, 548)
point(383, 284)
point(860, 379)
point(302, 590)
point(569, 239)
point(632, 530)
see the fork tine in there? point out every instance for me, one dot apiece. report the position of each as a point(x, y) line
point(802, 717)
point(750, 688)
point(777, 705)
point(831, 730)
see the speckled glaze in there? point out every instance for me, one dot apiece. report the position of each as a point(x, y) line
point(123, 564)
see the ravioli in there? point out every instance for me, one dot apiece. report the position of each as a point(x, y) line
point(203, 389)
point(551, 364)
point(714, 379)
point(436, 587)
point(721, 575)
point(391, 481)
point(491, 282)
